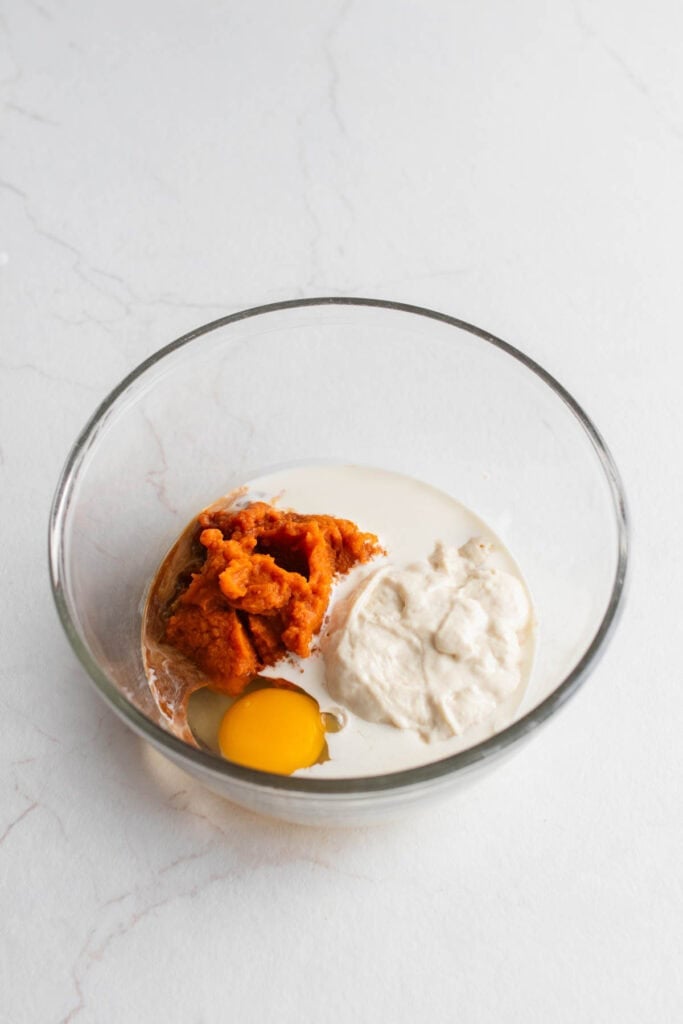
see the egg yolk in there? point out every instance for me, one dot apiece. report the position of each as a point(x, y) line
point(273, 730)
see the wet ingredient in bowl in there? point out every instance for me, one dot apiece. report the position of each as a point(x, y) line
point(434, 646)
point(274, 730)
point(407, 515)
point(242, 588)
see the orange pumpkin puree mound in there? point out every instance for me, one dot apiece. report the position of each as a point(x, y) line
point(262, 590)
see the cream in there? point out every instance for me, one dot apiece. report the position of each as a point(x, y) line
point(434, 646)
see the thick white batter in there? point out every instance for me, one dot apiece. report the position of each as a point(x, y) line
point(434, 646)
point(409, 517)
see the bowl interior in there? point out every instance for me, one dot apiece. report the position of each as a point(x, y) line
point(341, 380)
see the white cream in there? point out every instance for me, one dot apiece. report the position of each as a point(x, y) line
point(434, 646)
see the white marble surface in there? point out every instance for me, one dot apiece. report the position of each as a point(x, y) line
point(518, 165)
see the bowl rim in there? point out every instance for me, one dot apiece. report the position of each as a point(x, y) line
point(359, 785)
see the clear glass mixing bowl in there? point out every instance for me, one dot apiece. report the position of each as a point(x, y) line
point(357, 381)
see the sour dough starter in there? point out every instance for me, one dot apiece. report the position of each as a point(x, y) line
point(434, 646)
point(409, 516)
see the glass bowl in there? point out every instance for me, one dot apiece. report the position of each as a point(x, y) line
point(358, 381)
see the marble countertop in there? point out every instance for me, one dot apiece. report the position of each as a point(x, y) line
point(516, 165)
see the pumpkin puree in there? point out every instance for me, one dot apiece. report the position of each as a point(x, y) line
point(262, 590)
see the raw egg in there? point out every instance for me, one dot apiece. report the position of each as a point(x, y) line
point(274, 730)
